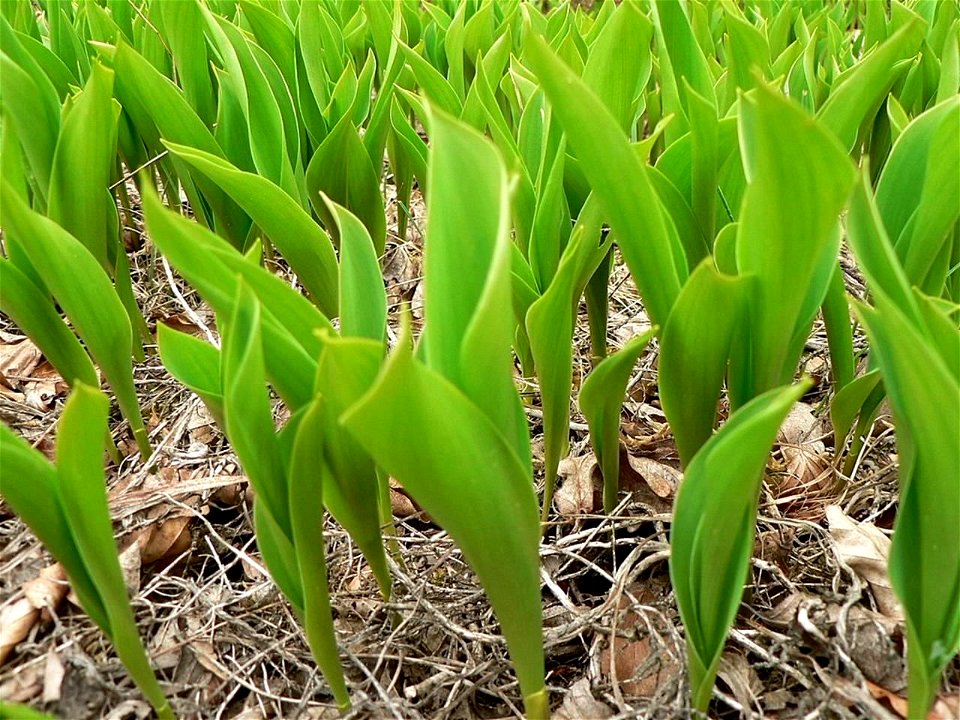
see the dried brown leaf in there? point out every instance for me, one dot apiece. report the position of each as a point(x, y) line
point(580, 704)
point(165, 540)
point(46, 591)
point(130, 567)
point(800, 425)
point(17, 361)
point(735, 670)
point(662, 479)
point(53, 672)
point(581, 485)
point(865, 549)
point(639, 672)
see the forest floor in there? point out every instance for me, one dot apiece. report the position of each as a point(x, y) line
point(819, 633)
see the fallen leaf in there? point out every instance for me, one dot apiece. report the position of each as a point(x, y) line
point(816, 367)
point(630, 329)
point(23, 686)
point(865, 549)
point(662, 479)
point(808, 480)
point(17, 361)
point(579, 704)
point(401, 505)
point(46, 591)
point(167, 539)
point(944, 708)
point(579, 491)
point(53, 672)
point(639, 670)
point(872, 647)
point(130, 567)
point(40, 395)
point(799, 426)
point(735, 670)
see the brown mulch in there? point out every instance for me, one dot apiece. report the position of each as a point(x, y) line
point(811, 640)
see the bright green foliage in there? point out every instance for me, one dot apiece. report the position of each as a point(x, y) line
point(714, 517)
point(450, 428)
point(288, 225)
point(449, 455)
point(84, 291)
point(600, 400)
point(288, 479)
point(916, 346)
point(694, 349)
point(31, 310)
point(916, 195)
point(12, 711)
point(618, 178)
point(213, 266)
point(194, 363)
point(466, 259)
point(341, 169)
point(719, 142)
point(921, 370)
point(66, 506)
point(788, 236)
point(549, 325)
point(363, 301)
point(78, 199)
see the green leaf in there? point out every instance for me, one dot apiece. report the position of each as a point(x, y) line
point(189, 50)
point(158, 108)
point(467, 251)
point(13, 711)
point(601, 399)
point(31, 104)
point(279, 555)
point(875, 253)
point(303, 243)
point(694, 349)
point(433, 84)
point(247, 410)
point(31, 486)
point(712, 536)
point(925, 555)
point(363, 298)
point(341, 169)
point(788, 235)
point(307, 477)
point(847, 404)
point(83, 162)
point(905, 170)
point(461, 469)
point(84, 291)
point(33, 313)
point(619, 63)
point(550, 324)
point(271, 145)
point(194, 363)
point(83, 427)
point(913, 192)
point(836, 319)
point(856, 99)
point(616, 176)
point(680, 57)
point(213, 266)
point(354, 491)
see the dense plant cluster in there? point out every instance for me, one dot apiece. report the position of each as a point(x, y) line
point(728, 151)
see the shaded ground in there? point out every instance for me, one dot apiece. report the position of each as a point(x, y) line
point(817, 635)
